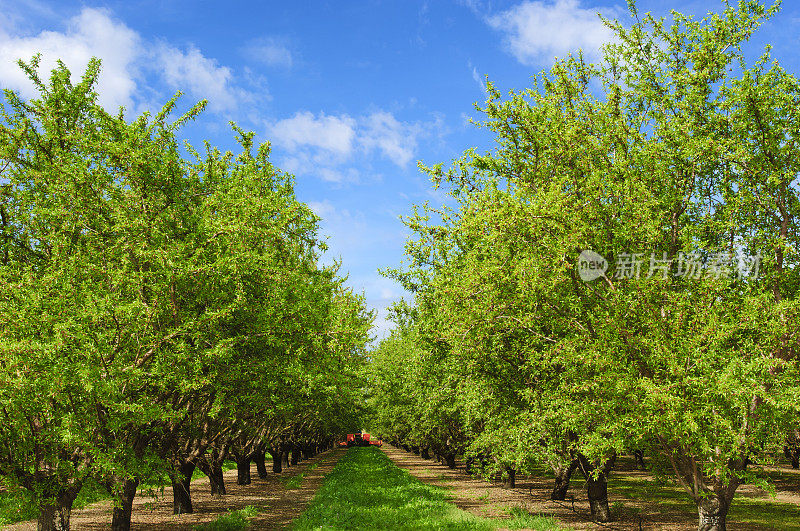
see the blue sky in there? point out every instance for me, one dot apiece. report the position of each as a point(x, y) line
point(351, 94)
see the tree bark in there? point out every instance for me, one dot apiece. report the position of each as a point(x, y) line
point(510, 480)
point(181, 494)
point(277, 461)
point(793, 454)
point(123, 508)
point(212, 468)
point(54, 515)
point(295, 455)
point(638, 455)
point(261, 466)
point(423, 453)
point(450, 460)
point(243, 470)
point(597, 487)
point(285, 457)
point(563, 475)
point(713, 513)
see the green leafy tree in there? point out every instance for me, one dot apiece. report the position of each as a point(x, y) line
point(671, 146)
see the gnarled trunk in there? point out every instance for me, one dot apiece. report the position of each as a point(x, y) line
point(638, 455)
point(54, 515)
point(713, 513)
point(243, 470)
point(792, 452)
point(450, 460)
point(510, 480)
point(181, 495)
point(261, 466)
point(277, 460)
point(285, 458)
point(212, 468)
point(123, 508)
point(597, 487)
point(563, 475)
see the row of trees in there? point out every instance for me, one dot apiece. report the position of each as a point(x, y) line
point(672, 146)
point(161, 308)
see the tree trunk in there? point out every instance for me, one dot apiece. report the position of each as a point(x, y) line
point(713, 513)
point(415, 450)
point(423, 453)
point(295, 456)
point(563, 475)
point(597, 487)
point(450, 459)
point(638, 455)
point(793, 454)
point(54, 515)
point(181, 495)
point(277, 461)
point(510, 480)
point(243, 470)
point(285, 459)
point(213, 469)
point(597, 491)
point(261, 466)
point(121, 515)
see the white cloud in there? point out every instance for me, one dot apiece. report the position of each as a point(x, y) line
point(325, 145)
point(479, 80)
point(538, 31)
point(334, 134)
point(323, 209)
point(395, 140)
point(91, 33)
point(200, 76)
point(270, 52)
point(132, 68)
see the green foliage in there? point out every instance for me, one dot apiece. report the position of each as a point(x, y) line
point(366, 491)
point(150, 301)
point(671, 145)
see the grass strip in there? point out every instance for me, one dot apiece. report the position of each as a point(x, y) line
point(367, 491)
point(231, 521)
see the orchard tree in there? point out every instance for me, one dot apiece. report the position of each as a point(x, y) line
point(152, 307)
point(676, 162)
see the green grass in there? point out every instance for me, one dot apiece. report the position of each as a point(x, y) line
point(231, 521)
point(293, 482)
point(366, 491)
point(522, 519)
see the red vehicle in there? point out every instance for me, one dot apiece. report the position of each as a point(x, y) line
point(360, 439)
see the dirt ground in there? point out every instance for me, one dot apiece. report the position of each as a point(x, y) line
point(278, 505)
point(488, 499)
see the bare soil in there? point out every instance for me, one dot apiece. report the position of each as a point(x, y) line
point(491, 499)
point(278, 505)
